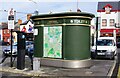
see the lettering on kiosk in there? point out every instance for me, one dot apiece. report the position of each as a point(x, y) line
point(76, 21)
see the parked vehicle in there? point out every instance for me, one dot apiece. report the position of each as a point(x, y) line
point(29, 48)
point(106, 48)
point(7, 51)
point(4, 43)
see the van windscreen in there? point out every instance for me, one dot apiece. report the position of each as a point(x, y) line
point(105, 42)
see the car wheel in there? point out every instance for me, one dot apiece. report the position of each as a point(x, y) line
point(112, 58)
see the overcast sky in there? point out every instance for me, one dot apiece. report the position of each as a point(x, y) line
point(23, 7)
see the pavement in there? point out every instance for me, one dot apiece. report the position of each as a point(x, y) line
point(100, 68)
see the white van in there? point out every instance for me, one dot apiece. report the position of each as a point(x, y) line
point(106, 48)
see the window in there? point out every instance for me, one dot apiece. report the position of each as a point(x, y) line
point(104, 22)
point(105, 42)
point(112, 22)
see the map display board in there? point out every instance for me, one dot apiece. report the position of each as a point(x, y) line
point(52, 42)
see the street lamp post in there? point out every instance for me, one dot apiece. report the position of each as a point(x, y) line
point(36, 12)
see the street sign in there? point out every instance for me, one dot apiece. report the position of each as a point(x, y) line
point(11, 12)
point(11, 19)
point(10, 24)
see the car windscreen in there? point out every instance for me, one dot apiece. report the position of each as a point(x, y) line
point(105, 42)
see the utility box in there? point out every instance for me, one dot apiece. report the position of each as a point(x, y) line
point(63, 39)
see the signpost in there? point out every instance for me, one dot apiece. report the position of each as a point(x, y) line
point(11, 19)
point(11, 27)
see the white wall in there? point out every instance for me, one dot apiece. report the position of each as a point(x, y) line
point(118, 17)
point(26, 26)
point(112, 15)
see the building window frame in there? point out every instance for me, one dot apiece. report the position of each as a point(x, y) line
point(104, 22)
point(112, 22)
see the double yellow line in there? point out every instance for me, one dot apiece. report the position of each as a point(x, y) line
point(118, 76)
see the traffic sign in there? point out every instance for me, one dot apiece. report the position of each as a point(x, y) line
point(11, 18)
point(10, 24)
point(11, 14)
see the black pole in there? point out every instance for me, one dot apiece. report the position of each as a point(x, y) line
point(11, 63)
point(96, 35)
point(21, 50)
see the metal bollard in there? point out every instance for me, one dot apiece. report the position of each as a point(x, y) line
point(36, 64)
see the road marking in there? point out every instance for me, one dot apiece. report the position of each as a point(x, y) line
point(110, 72)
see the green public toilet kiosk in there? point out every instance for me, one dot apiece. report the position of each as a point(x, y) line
point(63, 39)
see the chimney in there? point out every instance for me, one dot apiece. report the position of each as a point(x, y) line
point(19, 21)
point(28, 16)
point(78, 10)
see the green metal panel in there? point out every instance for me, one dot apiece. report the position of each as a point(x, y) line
point(62, 21)
point(75, 38)
point(38, 42)
point(76, 42)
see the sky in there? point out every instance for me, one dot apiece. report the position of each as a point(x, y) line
point(23, 7)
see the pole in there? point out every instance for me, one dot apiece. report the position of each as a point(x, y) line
point(21, 50)
point(77, 4)
point(11, 27)
point(36, 12)
point(96, 35)
point(11, 63)
point(14, 16)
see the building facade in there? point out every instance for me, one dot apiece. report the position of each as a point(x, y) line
point(27, 27)
point(109, 13)
point(5, 33)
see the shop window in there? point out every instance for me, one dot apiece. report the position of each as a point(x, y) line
point(112, 22)
point(104, 22)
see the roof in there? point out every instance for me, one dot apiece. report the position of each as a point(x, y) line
point(63, 14)
point(25, 23)
point(4, 25)
point(114, 5)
